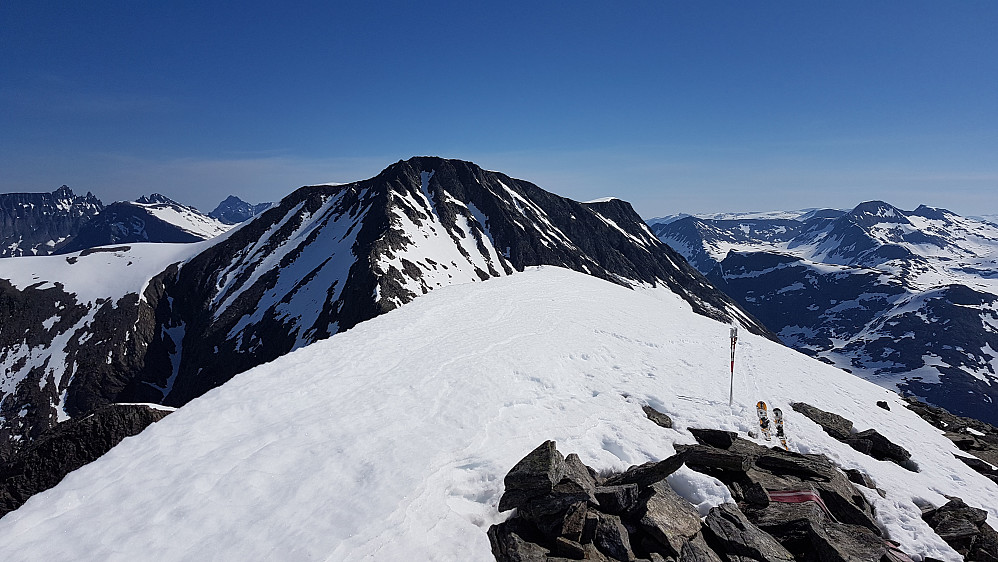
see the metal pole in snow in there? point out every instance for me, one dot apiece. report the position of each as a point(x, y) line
point(734, 340)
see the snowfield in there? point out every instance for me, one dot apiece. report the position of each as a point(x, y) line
point(390, 441)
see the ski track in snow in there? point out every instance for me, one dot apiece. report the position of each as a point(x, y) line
point(390, 441)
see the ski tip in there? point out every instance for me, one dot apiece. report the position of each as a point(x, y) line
point(760, 404)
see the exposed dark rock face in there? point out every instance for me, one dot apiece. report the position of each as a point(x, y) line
point(826, 519)
point(38, 224)
point(968, 434)
point(869, 442)
point(877, 291)
point(367, 251)
point(68, 446)
point(234, 210)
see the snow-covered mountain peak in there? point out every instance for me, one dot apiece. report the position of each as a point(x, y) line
point(873, 212)
point(320, 262)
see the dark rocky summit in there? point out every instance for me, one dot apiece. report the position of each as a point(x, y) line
point(38, 224)
point(68, 446)
point(321, 261)
point(789, 507)
point(234, 210)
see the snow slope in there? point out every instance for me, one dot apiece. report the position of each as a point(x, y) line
point(394, 437)
point(102, 273)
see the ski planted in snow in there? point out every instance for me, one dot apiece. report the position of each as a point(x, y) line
point(778, 421)
point(760, 408)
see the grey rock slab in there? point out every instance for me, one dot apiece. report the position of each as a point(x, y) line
point(569, 549)
point(574, 522)
point(836, 542)
point(618, 499)
point(668, 518)
point(612, 538)
point(697, 550)
point(833, 424)
point(713, 437)
point(645, 475)
point(731, 529)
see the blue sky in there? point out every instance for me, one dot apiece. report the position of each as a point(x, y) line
point(674, 106)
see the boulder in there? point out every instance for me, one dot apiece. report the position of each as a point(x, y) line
point(509, 546)
point(576, 479)
point(734, 535)
point(833, 424)
point(668, 518)
point(883, 404)
point(790, 523)
point(618, 499)
point(714, 437)
point(957, 523)
point(883, 448)
point(657, 417)
point(535, 475)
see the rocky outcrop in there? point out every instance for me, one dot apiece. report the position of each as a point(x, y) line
point(869, 442)
point(68, 446)
point(973, 436)
point(965, 529)
point(789, 507)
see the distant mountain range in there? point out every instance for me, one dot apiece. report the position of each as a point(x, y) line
point(906, 299)
point(42, 223)
point(61, 222)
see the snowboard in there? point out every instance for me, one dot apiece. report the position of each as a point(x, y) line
point(778, 421)
point(760, 408)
